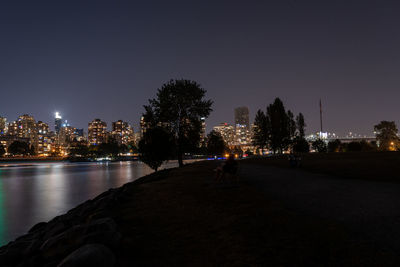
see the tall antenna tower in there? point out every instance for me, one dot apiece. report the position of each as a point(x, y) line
point(320, 114)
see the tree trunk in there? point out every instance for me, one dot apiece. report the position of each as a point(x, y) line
point(180, 155)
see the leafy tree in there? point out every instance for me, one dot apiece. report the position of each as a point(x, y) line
point(179, 105)
point(354, 146)
point(291, 124)
point(2, 150)
point(386, 135)
point(301, 145)
point(19, 148)
point(110, 148)
point(132, 147)
point(79, 150)
point(237, 151)
point(260, 134)
point(279, 126)
point(215, 143)
point(155, 147)
point(319, 145)
point(301, 125)
point(123, 149)
point(334, 146)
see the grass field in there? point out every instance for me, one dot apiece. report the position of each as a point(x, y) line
point(187, 219)
point(378, 166)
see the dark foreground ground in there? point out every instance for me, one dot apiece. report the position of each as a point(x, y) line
point(272, 216)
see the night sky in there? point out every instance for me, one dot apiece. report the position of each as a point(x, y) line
point(105, 59)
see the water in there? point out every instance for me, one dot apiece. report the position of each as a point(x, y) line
point(35, 192)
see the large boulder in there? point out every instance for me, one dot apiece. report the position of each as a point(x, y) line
point(89, 255)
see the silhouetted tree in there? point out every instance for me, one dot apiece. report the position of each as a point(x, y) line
point(2, 150)
point(319, 145)
point(291, 124)
point(386, 135)
point(155, 147)
point(123, 149)
point(79, 150)
point(279, 126)
point(179, 105)
point(301, 125)
point(132, 147)
point(301, 145)
point(111, 148)
point(215, 143)
point(334, 146)
point(19, 148)
point(354, 146)
point(260, 134)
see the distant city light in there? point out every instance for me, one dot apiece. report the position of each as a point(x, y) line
point(58, 116)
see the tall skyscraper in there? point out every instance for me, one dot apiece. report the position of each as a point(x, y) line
point(242, 117)
point(97, 132)
point(57, 122)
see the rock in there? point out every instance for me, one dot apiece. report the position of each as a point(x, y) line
point(54, 229)
point(89, 255)
point(63, 243)
point(38, 227)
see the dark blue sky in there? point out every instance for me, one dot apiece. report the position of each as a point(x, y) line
point(105, 59)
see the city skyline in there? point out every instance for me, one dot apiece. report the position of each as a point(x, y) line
point(106, 60)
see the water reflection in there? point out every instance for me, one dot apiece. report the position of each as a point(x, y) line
point(30, 193)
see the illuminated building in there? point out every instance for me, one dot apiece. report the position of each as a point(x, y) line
point(3, 125)
point(203, 130)
point(25, 127)
point(57, 122)
point(45, 139)
point(66, 136)
point(227, 132)
point(242, 135)
point(122, 132)
point(242, 117)
point(143, 126)
point(97, 132)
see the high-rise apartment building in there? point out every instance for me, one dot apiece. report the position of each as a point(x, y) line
point(25, 127)
point(97, 132)
point(3, 125)
point(66, 136)
point(203, 130)
point(122, 132)
point(227, 132)
point(45, 139)
point(242, 117)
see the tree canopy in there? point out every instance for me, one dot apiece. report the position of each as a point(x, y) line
point(386, 135)
point(215, 143)
point(260, 133)
point(280, 126)
point(178, 107)
point(155, 147)
point(2, 150)
point(19, 148)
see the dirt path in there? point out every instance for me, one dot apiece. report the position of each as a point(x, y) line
point(370, 210)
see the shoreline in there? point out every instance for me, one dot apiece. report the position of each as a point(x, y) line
point(92, 213)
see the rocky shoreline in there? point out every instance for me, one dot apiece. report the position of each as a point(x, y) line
point(86, 235)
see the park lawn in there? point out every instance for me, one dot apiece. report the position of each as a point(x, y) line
point(182, 217)
point(377, 166)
